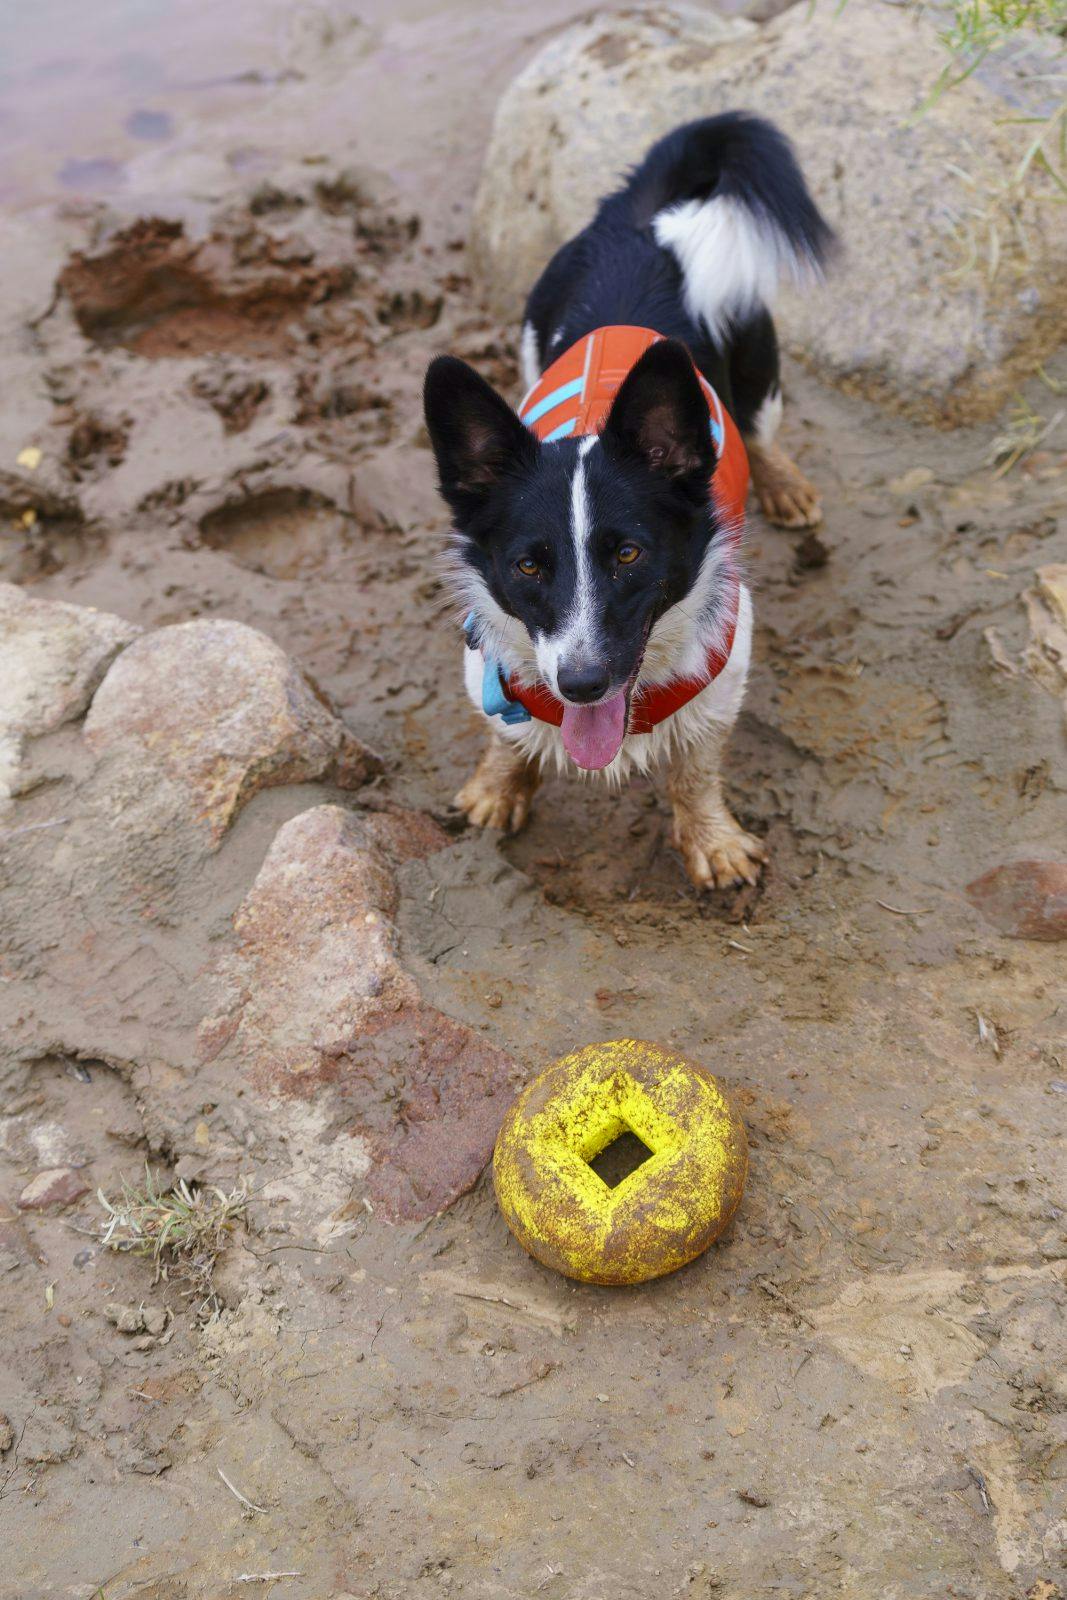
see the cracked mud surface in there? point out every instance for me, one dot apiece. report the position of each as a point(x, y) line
point(860, 1389)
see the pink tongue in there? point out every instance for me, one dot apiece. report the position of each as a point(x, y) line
point(593, 735)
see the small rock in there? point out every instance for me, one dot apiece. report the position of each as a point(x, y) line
point(998, 652)
point(56, 1186)
point(1045, 657)
point(1052, 581)
point(46, 1438)
point(7, 1434)
point(811, 553)
point(127, 1319)
point(908, 482)
point(154, 1319)
point(223, 712)
point(1024, 899)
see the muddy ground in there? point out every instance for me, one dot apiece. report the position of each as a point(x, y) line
point(860, 1390)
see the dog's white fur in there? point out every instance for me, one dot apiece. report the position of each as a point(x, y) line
point(768, 419)
point(578, 631)
point(676, 637)
point(731, 259)
point(529, 360)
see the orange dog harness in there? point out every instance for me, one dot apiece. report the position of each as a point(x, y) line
point(572, 398)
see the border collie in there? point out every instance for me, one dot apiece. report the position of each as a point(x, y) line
point(596, 532)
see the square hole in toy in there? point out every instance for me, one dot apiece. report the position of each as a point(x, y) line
point(620, 1158)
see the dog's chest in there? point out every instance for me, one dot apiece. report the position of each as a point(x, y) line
point(710, 713)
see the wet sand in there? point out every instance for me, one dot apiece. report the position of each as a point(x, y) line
point(859, 1390)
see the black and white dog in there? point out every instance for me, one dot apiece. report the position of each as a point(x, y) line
point(596, 562)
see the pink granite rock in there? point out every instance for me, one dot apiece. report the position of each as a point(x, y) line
point(323, 1022)
point(1024, 899)
point(54, 1187)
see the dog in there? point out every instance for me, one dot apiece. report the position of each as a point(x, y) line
point(595, 532)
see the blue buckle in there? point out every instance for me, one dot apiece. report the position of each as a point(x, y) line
point(496, 702)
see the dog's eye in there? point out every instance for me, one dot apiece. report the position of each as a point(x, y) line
point(528, 567)
point(627, 553)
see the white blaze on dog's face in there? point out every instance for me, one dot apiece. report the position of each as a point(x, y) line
point(586, 542)
point(572, 659)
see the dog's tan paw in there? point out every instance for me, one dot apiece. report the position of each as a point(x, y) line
point(786, 496)
point(491, 805)
point(717, 854)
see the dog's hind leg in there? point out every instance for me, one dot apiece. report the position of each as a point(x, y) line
point(785, 495)
point(499, 793)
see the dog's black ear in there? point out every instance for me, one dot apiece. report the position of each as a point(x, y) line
point(660, 415)
point(476, 436)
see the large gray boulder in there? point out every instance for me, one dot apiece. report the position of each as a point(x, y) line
point(52, 657)
point(220, 710)
point(903, 317)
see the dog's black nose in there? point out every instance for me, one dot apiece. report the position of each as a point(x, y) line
point(581, 684)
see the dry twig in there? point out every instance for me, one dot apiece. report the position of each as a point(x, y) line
point(243, 1498)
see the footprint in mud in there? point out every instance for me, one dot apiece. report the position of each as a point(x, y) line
point(94, 440)
point(333, 398)
point(235, 396)
point(283, 533)
point(41, 532)
point(157, 293)
point(403, 312)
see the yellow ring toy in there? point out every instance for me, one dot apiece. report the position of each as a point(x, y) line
point(665, 1211)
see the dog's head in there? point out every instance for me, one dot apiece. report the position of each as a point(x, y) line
point(586, 542)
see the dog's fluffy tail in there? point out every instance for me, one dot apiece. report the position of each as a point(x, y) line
point(725, 195)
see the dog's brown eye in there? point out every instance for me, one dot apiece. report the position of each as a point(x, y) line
point(627, 554)
point(528, 567)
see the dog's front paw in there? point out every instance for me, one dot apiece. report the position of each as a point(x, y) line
point(718, 853)
point(488, 803)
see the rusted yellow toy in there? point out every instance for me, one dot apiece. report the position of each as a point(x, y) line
point(659, 1216)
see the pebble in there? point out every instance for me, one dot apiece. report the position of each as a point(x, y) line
point(55, 1186)
point(1024, 899)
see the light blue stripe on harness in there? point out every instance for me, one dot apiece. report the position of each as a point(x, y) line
point(566, 391)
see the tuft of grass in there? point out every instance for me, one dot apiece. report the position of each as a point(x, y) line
point(1025, 430)
point(183, 1229)
point(1001, 205)
point(979, 27)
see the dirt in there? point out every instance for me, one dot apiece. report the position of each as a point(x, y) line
point(859, 1390)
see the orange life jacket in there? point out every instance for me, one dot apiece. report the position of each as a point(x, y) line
point(572, 398)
